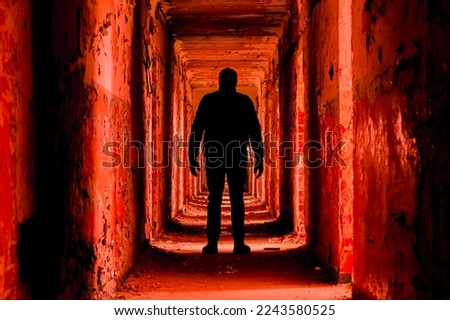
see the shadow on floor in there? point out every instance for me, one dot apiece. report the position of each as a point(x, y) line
point(278, 268)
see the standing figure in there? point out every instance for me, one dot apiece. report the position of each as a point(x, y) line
point(228, 123)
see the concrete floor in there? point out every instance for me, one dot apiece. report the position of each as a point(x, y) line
point(277, 268)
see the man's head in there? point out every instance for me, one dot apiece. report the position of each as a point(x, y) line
point(228, 78)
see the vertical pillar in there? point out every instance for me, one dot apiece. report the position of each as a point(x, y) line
point(346, 127)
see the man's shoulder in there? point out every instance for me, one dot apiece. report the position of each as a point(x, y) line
point(245, 98)
point(242, 95)
point(217, 95)
point(211, 95)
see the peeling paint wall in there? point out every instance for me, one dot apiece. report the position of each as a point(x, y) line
point(292, 96)
point(159, 122)
point(182, 182)
point(88, 91)
point(271, 131)
point(328, 149)
point(98, 195)
point(386, 155)
point(324, 49)
point(17, 173)
point(345, 146)
point(401, 151)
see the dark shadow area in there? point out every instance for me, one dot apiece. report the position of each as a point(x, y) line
point(288, 146)
point(432, 221)
point(138, 111)
point(312, 133)
point(41, 239)
point(166, 119)
point(275, 228)
point(266, 262)
point(28, 250)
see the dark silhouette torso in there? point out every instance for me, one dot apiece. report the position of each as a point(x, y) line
point(227, 122)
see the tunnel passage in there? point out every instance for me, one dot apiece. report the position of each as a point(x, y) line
point(263, 43)
point(307, 184)
point(206, 39)
point(352, 93)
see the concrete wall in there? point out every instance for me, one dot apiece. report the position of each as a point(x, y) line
point(87, 91)
point(401, 157)
point(16, 141)
point(73, 142)
point(98, 194)
point(292, 105)
point(324, 53)
point(94, 102)
point(328, 151)
point(184, 106)
point(158, 128)
point(270, 124)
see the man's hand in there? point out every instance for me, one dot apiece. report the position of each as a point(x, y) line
point(194, 167)
point(259, 169)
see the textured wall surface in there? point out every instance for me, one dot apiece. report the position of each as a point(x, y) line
point(96, 76)
point(158, 127)
point(82, 239)
point(401, 186)
point(88, 177)
point(16, 140)
point(389, 66)
point(292, 116)
point(329, 133)
point(324, 53)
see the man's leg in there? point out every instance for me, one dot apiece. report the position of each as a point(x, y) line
point(215, 179)
point(236, 182)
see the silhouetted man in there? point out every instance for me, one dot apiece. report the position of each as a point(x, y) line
point(228, 121)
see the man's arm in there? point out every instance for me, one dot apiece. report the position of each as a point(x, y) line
point(198, 126)
point(256, 139)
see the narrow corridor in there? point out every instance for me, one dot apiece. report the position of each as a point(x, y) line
point(97, 101)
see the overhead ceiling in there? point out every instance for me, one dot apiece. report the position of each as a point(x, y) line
point(211, 35)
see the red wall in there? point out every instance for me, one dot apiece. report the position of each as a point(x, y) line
point(324, 34)
point(386, 155)
point(87, 91)
point(92, 90)
point(16, 140)
point(292, 116)
point(329, 178)
point(95, 101)
point(158, 115)
point(401, 123)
